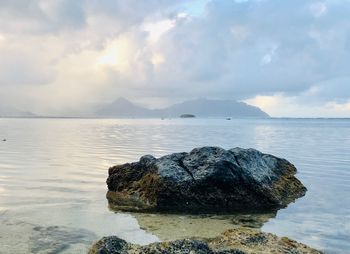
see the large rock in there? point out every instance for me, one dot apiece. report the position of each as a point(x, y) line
point(235, 241)
point(208, 179)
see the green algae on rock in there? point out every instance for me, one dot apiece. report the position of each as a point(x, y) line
point(206, 180)
point(254, 241)
point(235, 241)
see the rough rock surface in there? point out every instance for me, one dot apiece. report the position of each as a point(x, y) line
point(208, 179)
point(236, 241)
point(254, 241)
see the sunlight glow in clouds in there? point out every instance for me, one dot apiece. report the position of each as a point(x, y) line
point(109, 57)
point(118, 54)
point(158, 59)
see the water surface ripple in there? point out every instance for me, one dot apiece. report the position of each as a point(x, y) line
point(53, 172)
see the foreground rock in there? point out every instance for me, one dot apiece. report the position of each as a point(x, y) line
point(236, 241)
point(208, 179)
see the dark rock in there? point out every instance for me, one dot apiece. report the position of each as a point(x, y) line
point(235, 241)
point(208, 179)
point(111, 244)
point(115, 245)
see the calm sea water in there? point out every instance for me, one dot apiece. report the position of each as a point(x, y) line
point(53, 172)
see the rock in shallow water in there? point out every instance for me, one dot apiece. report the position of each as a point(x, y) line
point(208, 179)
point(235, 241)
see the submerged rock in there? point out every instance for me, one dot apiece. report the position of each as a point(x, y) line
point(208, 179)
point(235, 241)
point(17, 236)
point(170, 227)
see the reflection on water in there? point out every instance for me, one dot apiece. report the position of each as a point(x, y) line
point(178, 226)
point(53, 172)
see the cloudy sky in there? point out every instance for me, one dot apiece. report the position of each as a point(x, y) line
point(291, 58)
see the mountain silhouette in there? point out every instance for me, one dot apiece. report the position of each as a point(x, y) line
point(123, 108)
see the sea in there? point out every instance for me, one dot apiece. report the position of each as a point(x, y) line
point(53, 180)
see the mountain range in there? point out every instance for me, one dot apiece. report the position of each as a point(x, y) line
point(199, 107)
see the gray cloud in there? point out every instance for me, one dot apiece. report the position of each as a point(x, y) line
point(241, 49)
point(32, 16)
point(42, 16)
point(234, 49)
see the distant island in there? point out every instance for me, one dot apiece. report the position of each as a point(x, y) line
point(187, 116)
point(198, 107)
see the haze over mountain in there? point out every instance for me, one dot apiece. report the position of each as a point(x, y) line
point(199, 107)
point(122, 107)
point(13, 112)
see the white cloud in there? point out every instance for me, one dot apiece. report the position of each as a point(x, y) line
point(318, 9)
point(268, 57)
point(156, 29)
point(280, 105)
point(325, 99)
point(239, 32)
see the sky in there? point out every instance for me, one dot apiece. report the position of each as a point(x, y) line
point(62, 57)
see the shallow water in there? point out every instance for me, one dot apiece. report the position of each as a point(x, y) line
point(53, 172)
